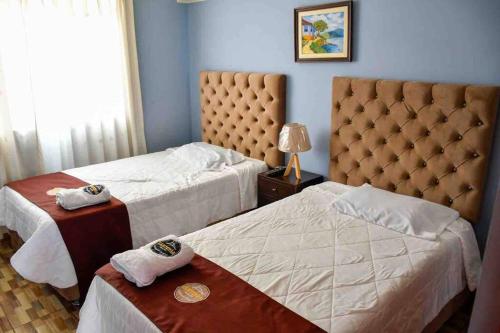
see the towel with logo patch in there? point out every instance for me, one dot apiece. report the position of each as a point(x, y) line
point(143, 265)
point(91, 195)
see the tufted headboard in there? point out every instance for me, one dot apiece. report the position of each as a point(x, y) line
point(426, 140)
point(244, 112)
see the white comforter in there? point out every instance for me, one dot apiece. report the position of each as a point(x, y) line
point(343, 274)
point(161, 197)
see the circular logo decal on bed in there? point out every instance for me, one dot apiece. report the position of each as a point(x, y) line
point(93, 189)
point(54, 191)
point(166, 248)
point(191, 293)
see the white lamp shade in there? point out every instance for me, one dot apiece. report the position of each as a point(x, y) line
point(294, 138)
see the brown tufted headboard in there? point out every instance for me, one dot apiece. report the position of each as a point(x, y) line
point(244, 112)
point(421, 139)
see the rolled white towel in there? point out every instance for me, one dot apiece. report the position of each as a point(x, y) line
point(71, 199)
point(143, 265)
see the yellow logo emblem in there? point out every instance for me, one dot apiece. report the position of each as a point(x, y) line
point(191, 293)
point(54, 191)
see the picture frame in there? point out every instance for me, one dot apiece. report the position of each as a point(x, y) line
point(323, 32)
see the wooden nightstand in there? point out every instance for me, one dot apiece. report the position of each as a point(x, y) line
point(273, 186)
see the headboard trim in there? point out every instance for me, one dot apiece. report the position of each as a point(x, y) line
point(244, 112)
point(421, 139)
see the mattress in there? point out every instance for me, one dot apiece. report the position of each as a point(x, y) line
point(341, 273)
point(159, 200)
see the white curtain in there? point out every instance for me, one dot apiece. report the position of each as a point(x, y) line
point(69, 85)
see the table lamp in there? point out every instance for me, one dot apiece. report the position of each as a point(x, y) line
point(294, 139)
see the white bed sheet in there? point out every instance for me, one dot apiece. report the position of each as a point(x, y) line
point(159, 202)
point(343, 274)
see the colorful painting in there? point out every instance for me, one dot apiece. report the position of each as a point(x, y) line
point(323, 32)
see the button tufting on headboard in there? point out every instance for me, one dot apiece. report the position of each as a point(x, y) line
point(244, 112)
point(421, 139)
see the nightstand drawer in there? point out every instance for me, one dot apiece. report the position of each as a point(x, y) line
point(266, 199)
point(274, 186)
point(274, 189)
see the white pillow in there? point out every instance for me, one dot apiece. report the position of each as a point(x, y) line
point(206, 156)
point(229, 156)
point(401, 213)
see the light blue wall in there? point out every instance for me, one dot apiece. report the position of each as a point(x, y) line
point(161, 33)
point(429, 40)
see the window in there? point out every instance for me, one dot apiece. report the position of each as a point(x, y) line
point(66, 68)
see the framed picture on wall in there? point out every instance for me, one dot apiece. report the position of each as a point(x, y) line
point(323, 33)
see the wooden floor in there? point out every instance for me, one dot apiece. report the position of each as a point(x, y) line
point(31, 307)
point(459, 322)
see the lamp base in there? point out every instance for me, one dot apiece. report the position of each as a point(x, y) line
point(294, 159)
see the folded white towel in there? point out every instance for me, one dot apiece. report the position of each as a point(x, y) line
point(143, 265)
point(71, 199)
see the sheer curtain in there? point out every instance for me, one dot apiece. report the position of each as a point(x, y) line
point(69, 85)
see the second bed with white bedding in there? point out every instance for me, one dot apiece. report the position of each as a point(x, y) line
point(161, 198)
point(341, 273)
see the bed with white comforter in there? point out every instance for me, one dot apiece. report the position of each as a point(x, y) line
point(165, 193)
point(341, 273)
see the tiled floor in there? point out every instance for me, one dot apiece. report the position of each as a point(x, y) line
point(31, 307)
